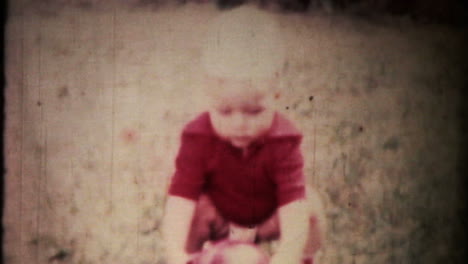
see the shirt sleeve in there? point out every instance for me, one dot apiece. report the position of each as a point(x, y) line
point(288, 174)
point(188, 179)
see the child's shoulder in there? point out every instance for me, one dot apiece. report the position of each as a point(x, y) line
point(200, 125)
point(283, 127)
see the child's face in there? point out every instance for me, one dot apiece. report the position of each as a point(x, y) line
point(241, 111)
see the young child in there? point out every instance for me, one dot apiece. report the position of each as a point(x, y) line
point(239, 170)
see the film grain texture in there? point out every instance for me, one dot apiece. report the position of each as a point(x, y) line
point(97, 94)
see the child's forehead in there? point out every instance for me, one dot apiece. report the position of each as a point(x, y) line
point(243, 88)
point(241, 96)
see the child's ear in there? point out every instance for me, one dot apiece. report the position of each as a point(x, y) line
point(276, 94)
point(275, 80)
point(274, 84)
point(273, 98)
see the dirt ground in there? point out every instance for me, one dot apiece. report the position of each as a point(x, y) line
point(97, 94)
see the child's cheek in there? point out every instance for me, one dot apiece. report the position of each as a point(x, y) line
point(262, 122)
point(218, 123)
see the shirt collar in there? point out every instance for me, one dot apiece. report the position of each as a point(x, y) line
point(200, 125)
point(282, 127)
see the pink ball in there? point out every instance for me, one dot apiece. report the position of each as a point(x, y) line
point(232, 252)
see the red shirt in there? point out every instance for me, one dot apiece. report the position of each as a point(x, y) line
point(245, 189)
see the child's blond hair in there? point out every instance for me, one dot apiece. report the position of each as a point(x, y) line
point(243, 43)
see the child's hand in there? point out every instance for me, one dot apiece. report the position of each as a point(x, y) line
point(286, 258)
point(179, 258)
point(293, 219)
point(239, 233)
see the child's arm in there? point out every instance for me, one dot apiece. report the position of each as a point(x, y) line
point(293, 211)
point(176, 226)
point(293, 218)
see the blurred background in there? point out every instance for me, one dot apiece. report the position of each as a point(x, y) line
point(98, 91)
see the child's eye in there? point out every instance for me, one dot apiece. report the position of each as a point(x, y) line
point(225, 111)
point(253, 110)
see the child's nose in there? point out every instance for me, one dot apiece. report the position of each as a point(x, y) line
point(239, 121)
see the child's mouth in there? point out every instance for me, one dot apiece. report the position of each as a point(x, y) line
point(241, 139)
